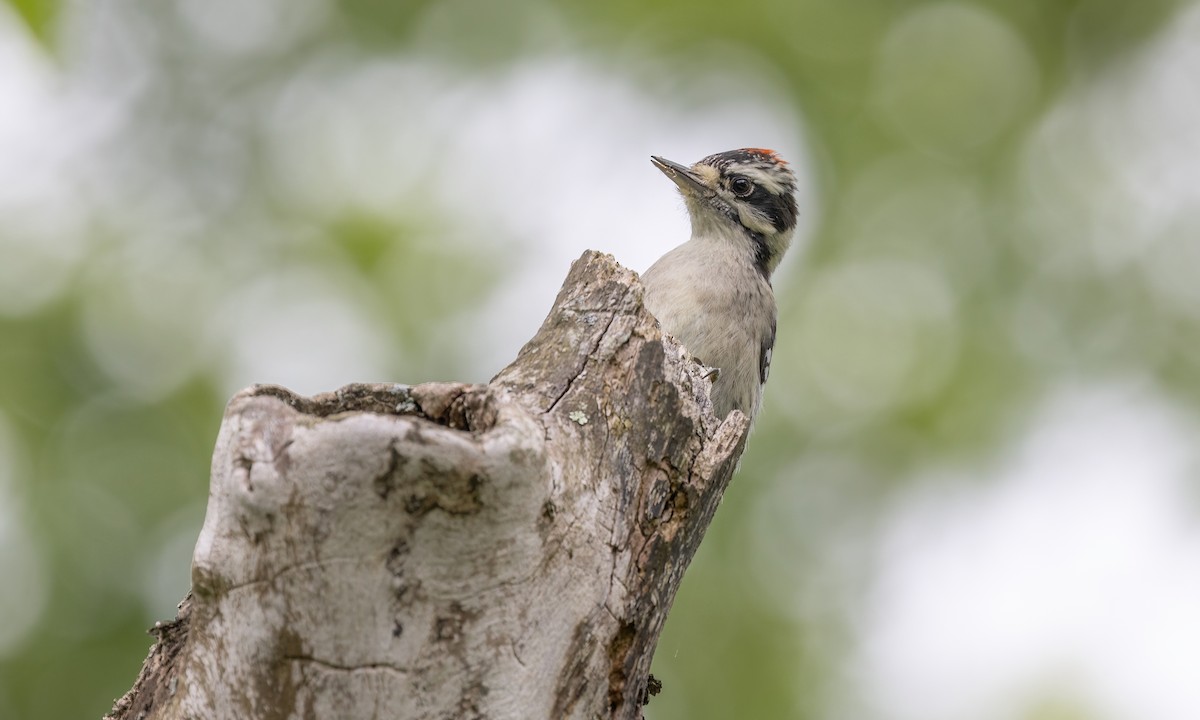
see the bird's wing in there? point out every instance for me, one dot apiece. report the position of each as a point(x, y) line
point(764, 357)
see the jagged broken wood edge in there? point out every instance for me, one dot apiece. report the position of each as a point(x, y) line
point(602, 381)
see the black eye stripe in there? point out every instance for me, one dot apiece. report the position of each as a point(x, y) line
point(779, 209)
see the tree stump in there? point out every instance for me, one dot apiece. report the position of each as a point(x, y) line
point(453, 551)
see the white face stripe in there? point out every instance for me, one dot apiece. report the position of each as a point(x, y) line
point(768, 178)
point(753, 219)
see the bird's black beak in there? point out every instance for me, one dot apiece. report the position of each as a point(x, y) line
point(683, 176)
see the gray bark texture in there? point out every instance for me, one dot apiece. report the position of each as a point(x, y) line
point(453, 551)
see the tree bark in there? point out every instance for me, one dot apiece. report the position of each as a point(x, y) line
point(507, 550)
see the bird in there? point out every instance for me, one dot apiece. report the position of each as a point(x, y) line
point(713, 293)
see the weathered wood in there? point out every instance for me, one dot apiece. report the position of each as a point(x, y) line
point(507, 550)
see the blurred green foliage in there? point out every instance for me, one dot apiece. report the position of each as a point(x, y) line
point(39, 16)
point(944, 286)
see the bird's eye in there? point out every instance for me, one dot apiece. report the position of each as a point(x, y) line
point(741, 186)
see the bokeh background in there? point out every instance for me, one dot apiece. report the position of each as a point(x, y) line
point(972, 494)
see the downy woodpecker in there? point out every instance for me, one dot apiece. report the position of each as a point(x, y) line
point(713, 293)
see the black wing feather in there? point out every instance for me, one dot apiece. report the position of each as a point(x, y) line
point(764, 357)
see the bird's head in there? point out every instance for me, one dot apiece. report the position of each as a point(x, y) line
point(746, 195)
